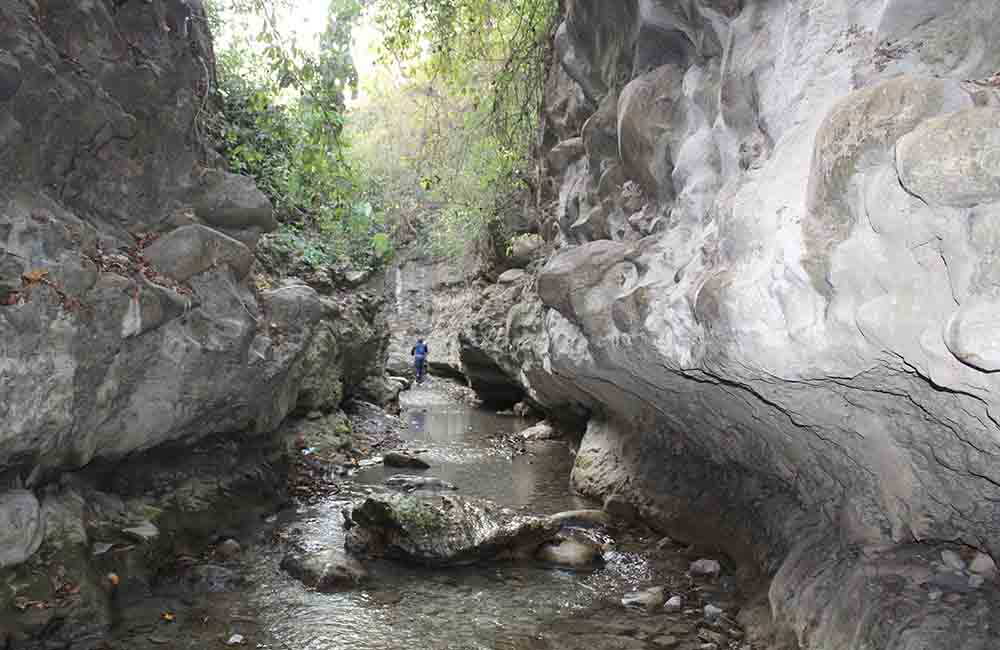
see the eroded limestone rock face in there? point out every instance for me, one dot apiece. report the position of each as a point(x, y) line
point(127, 314)
point(776, 284)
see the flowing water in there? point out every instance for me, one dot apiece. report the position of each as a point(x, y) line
point(462, 609)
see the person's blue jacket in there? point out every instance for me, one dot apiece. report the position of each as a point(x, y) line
point(420, 350)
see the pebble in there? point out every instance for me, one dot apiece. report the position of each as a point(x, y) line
point(935, 595)
point(983, 564)
point(236, 639)
point(228, 548)
point(708, 568)
point(952, 560)
point(668, 641)
point(144, 532)
point(647, 599)
point(708, 646)
point(100, 548)
point(675, 604)
point(399, 459)
point(976, 581)
point(711, 636)
point(712, 612)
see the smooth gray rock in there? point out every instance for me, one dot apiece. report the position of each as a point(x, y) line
point(325, 571)
point(443, 531)
point(404, 460)
point(984, 565)
point(972, 336)
point(540, 432)
point(953, 160)
point(21, 527)
point(570, 553)
point(234, 202)
point(190, 250)
point(648, 599)
point(512, 276)
point(705, 568)
point(411, 483)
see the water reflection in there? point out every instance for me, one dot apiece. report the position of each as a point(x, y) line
point(460, 609)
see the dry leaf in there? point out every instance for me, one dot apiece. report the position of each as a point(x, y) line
point(35, 276)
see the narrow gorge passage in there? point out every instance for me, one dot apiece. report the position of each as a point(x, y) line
point(519, 605)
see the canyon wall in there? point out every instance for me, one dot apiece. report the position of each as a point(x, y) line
point(130, 311)
point(775, 293)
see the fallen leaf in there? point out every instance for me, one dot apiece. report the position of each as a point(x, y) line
point(114, 579)
point(168, 617)
point(35, 276)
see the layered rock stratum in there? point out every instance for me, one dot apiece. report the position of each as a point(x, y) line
point(774, 292)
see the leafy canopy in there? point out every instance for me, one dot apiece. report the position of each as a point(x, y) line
point(282, 123)
point(449, 125)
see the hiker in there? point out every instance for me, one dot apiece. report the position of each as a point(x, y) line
point(419, 354)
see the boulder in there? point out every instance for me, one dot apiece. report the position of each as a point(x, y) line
point(325, 571)
point(650, 124)
point(443, 531)
point(512, 276)
point(953, 160)
point(411, 483)
point(972, 336)
point(404, 460)
point(541, 431)
point(21, 527)
point(524, 249)
point(982, 564)
point(570, 552)
point(705, 568)
point(233, 202)
point(190, 250)
point(648, 599)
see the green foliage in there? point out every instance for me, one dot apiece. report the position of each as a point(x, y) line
point(446, 133)
point(283, 121)
point(492, 50)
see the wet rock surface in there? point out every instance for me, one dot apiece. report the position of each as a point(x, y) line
point(404, 460)
point(445, 531)
point(325, 571)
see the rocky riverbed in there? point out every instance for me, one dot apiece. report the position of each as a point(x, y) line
point(161, 553)
point(283, 579)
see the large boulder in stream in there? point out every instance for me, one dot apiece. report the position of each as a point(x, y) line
point(444, 531)
point(325, 571)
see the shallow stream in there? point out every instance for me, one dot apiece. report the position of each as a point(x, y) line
point(406, 607)
point(505, 606)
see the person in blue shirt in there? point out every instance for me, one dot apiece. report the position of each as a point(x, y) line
point(419, 354)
